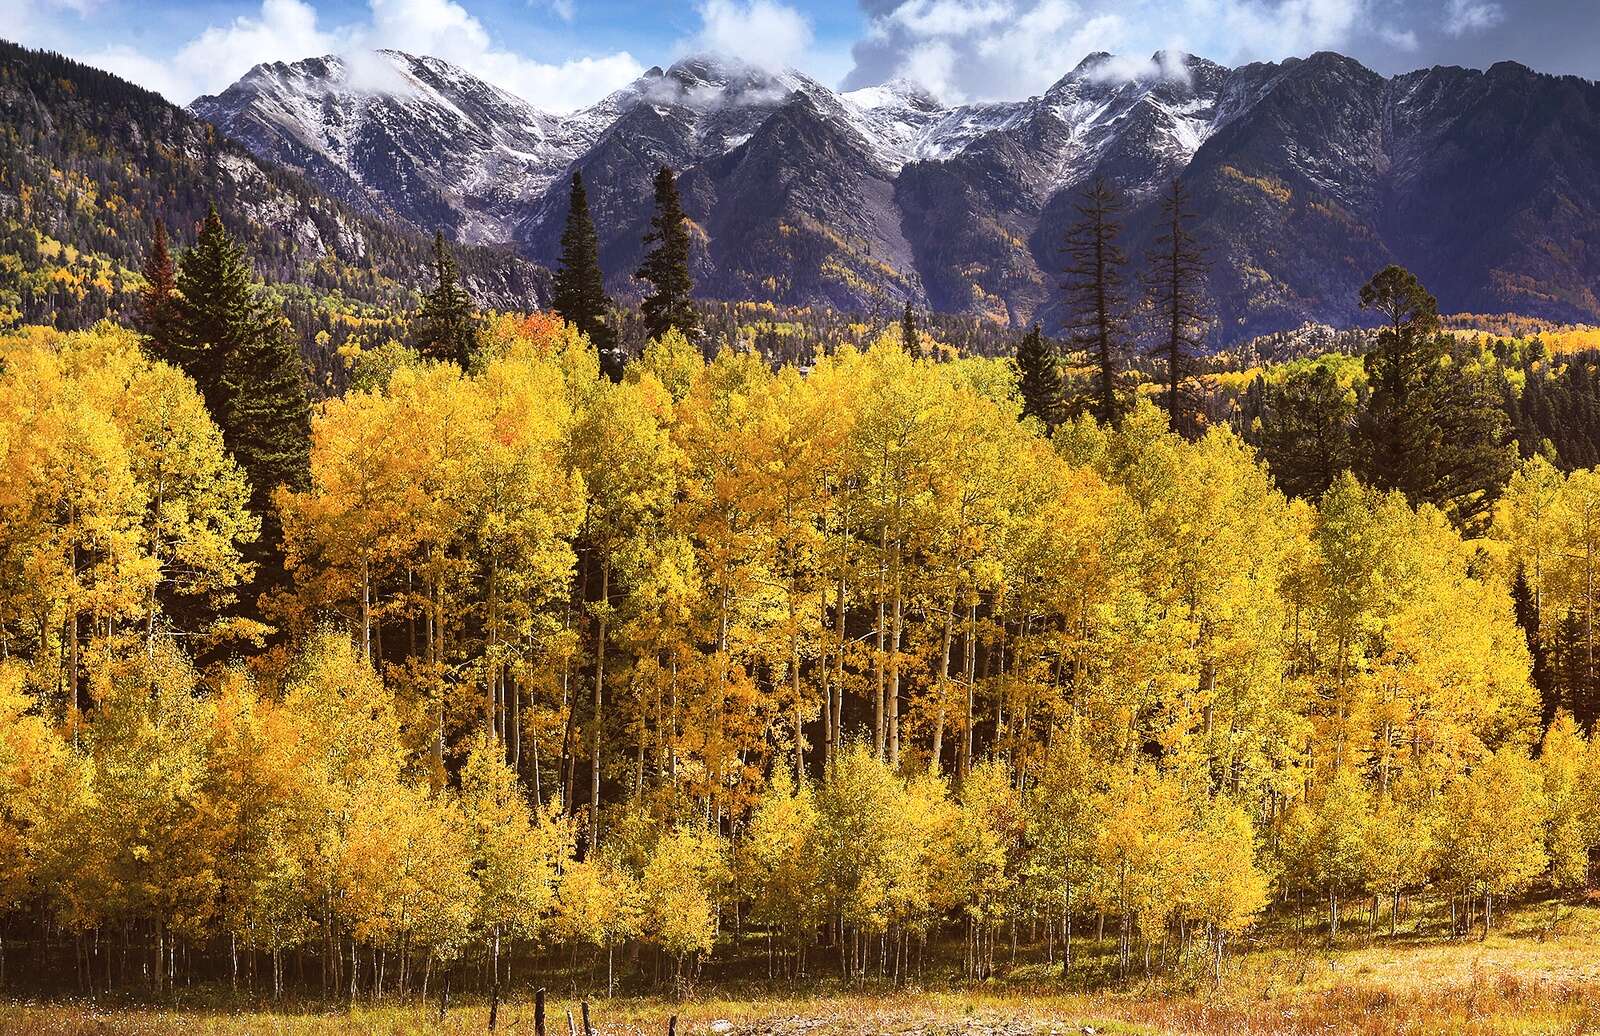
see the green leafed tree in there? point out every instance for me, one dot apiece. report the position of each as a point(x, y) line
point(1039, 378)
point(249, 369)
point(445, 327)
point(158, 315)
point(1433, 428)
point(1308, 422)
point(218, 312)
point(266, 424)
point(579, 292)
point(670, 302)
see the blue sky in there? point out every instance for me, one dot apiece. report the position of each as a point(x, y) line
point(561, 54)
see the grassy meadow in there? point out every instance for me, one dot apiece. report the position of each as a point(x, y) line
point(1538, 974)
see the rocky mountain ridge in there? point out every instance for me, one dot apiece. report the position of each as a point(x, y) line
point(1307, 176)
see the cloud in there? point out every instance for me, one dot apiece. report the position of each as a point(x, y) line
point(1399, 39)
point(283, 30)
point(997, 49)
point(949, 17)
point(445, 29)
point(1464, 16)
point(763, 32)
point(288, 30)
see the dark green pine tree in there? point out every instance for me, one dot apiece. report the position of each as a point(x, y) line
point(1177, 288)
point(579, 292)
point(909, 340)
point(1096, 309)
point(445, 327)
point(217, 311)
point(250, 371)
point(670, 303)
point(1573, 665)
point(1307, 426)
point(1526, 607)
point(1434, 427)
point(266, 425)
point(1039, 378)
point(157, 316)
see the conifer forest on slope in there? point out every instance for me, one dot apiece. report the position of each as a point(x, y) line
point(531, 656)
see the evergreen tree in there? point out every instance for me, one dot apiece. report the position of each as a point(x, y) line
point(1177, 282)
point(579, 292)
point(670, 303)
point(1573, 675)
point(1306, 431)
point(445, 327)
point(1526, 606)
point(249, 369)
point(266, 420)
point(1039, 378)
point(908, 331)
point(266, 425)
point(157, 316)
point(218, 314)
point(1434, 427)
point(1096, 308)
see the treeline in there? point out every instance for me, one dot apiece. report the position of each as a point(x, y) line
point(855, 665)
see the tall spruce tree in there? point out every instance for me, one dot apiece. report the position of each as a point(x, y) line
point(249, 369)
point(670, 303)
point(1096, 308)
point(445, 327)
point(909, 340)
point(157, 316)
point(1307, 426)
point(1434, 427)
point(1177, 288)
point(218, 313)
point(1526, 606)
point(1573, 675)
point(1039, 378)
point(266, 425)
point(579, 292)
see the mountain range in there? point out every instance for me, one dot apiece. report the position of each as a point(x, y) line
point(1307, 176)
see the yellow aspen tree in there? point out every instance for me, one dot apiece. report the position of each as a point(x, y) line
point(1570, 826)
point(620, 445)
point(1492, 828)
point(598, 903)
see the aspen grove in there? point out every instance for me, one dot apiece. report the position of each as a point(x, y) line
point(836, 671)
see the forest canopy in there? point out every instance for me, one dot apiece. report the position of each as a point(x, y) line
point(854, 658)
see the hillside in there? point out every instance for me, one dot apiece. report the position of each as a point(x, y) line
point(88, 162)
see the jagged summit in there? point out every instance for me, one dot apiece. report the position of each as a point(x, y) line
point(1310, 173)
point(897, 92)
point(399, 134)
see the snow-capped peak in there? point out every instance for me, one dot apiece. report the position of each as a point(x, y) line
point(423, 137)
point(896, 93)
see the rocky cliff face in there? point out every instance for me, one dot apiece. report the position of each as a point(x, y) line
point(1307, 176)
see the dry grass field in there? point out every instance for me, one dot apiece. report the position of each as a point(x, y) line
point(1539, 975)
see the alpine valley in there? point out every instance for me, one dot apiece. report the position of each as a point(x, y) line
point(1307, 175)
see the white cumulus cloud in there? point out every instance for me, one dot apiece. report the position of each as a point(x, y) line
point(445, 29)
point(1464, 16)
point(998, 49)
point(762, 32)
point(288, 30)
point(283, 30)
